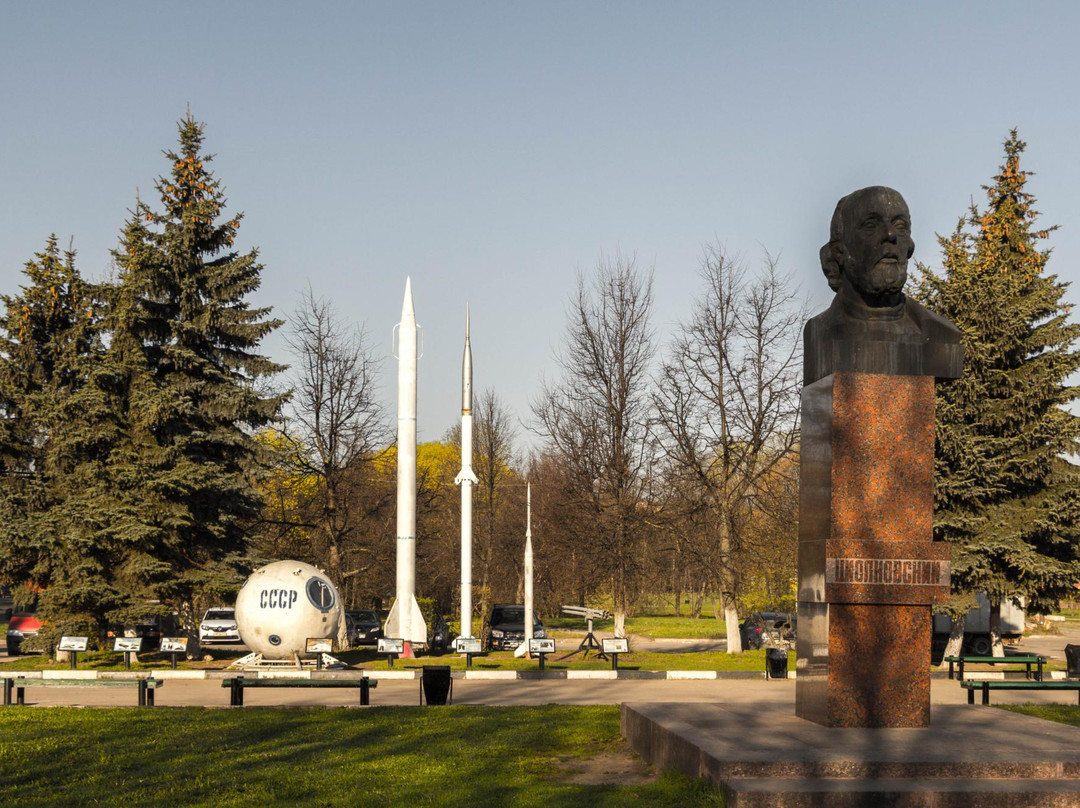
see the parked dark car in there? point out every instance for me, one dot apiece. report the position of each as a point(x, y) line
point(767, 628)
point(506, 629)
point(437, 628)
point(152, 628)
point(366, 628)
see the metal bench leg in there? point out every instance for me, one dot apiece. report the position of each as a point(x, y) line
point(365, 693)
point(236, 693)
point(20, 696)
point(986, 693)
point(971, 695)
point(8, 685)
point(142, 692)
point(149, 696)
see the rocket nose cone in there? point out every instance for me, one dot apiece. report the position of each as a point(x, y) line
point(407, 303)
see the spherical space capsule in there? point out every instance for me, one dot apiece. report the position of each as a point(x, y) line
point(282, 605)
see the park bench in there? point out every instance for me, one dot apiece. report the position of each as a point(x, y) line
point(1016, 684)
point(19, 684)
point(1015, 659)
point(237, 684)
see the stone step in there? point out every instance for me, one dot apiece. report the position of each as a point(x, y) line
point(844, 792)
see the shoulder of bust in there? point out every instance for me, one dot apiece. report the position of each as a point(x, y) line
point(935, 327)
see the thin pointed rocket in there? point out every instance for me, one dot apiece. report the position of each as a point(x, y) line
point(529, 618)
point(466, 479)
point(405, 620)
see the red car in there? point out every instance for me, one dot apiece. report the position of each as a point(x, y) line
point(23, 624)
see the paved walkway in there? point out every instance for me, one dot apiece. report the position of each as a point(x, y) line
point(210, 693)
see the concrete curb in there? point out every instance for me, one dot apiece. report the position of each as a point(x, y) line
point(411, 673)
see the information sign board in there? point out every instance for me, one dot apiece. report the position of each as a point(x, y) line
point(544, 646)
point(615, 645)
point(390, 645)
point(319, 645)
point(72, 643)
point(127, 644)
point(467, 645)
point(174, 645)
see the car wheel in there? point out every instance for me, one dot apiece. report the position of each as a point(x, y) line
point(13, 649)
point(981, 646)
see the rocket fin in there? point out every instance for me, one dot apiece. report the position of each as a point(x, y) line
point(419, 625)
point(393, 623)
point(466, 474)
point(417, 630)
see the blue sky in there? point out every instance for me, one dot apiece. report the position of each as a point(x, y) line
point(492, 150)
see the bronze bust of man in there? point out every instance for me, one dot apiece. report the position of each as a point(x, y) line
point(871, 326)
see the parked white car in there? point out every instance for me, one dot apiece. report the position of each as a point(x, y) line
point(219, 625)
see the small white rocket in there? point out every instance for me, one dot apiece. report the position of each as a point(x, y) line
point(466, 479)
point(405, 620)
point(529, 618)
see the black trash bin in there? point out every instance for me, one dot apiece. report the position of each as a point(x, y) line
point(775, 663)
point(436, 684)
point(1072, 661)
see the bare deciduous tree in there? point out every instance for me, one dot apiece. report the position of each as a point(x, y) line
point(728, 404)
point(337, 426)
point(597, 418)
point(493, 462)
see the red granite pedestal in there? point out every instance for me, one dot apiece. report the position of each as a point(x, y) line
point(869, 569)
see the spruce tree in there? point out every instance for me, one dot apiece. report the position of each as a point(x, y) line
point(186, 339)
point(1006, 493)
point(58, 429)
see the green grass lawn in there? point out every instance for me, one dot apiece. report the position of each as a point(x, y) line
point(382, 756)
point(565, 660)
point(656, 626)
point(1062, 713)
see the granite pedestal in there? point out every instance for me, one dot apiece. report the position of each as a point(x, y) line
point(762, 756)
point(869, 569)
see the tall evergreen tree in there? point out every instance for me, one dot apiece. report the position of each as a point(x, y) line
point(1006, 493)
point(187, 341)
point(58, 428)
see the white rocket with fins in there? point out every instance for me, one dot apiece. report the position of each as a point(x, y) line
point(406, 621)
point(466, 479)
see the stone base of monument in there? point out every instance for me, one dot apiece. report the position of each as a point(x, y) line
point(763, 756)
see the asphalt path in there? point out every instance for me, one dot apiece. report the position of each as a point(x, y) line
point(210, 693)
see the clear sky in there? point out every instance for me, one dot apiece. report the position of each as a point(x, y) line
point(492, 150)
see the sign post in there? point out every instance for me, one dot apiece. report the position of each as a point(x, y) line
point(73, 645)
point(468, 646)
point(541, 647)
point(174, 647)
point(392, 647)
point(128, 646)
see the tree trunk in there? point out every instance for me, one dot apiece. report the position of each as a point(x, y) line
point(620, 622)
point(731, 626)
point(998, 649)
point(956, 640)
point(191, 631)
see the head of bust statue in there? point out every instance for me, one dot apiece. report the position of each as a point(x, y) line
point(869, 247)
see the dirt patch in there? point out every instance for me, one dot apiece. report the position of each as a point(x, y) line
point(619, 767)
